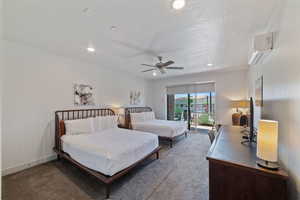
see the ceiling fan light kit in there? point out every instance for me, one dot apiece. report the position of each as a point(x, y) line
point(91, 49)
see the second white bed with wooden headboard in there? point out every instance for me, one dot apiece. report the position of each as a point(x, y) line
point(143, 119)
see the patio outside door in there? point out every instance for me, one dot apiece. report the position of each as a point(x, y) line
point(202, 109)
point(197, 109)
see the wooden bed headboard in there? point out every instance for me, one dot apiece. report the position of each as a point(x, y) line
point(129, 110)
point(62, 115)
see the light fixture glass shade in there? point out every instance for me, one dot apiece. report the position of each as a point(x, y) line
point(91, 49)
point(267, 140)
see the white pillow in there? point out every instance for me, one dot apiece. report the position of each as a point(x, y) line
point(106, 122)
point(149, 116)
point(137, 117)
point(79, 126)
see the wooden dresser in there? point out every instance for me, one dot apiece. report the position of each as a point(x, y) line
point(234, 175)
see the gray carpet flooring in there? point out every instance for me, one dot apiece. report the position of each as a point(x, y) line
point(181, 173)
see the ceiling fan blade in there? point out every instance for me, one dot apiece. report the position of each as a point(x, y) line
point(148, 65)
point(148, 70)
point(170, 62)
point(174, 67)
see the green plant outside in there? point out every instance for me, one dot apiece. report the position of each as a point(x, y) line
point(204, 119)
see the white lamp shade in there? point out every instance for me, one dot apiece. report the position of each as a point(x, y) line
point(267, 140)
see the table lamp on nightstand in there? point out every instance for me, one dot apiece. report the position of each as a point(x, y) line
point(120, 112)
point(267, 144)
point(238, 104)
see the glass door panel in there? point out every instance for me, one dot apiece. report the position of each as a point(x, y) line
point(198, 109)
point(202, 109)
point(178, 107)
point(181, 107)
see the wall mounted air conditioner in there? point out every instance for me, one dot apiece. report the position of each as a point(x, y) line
point(262, 46)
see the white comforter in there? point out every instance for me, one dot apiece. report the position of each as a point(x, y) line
point(111, 150)
point(163, 128)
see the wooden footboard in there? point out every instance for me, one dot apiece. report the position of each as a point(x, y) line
point(107, 180)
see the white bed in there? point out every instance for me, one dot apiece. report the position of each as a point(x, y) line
point(109, 151)
point(162, 128)
point(145, 121)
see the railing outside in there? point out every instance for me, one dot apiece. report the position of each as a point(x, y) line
point(197, 118)
point(201, 118)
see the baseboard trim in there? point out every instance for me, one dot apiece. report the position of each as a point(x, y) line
point(24, 166)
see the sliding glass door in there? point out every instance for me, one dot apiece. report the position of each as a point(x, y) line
point(178, 107)
point(202, 109)
point(196, 108)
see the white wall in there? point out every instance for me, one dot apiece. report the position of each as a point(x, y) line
point(230, 85)
point(1, 81)
point(281, 72)
point(36, 84)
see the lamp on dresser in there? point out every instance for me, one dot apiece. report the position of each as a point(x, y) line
point(267, 144)
point(236, 117)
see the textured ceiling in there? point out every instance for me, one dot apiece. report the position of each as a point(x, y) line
point(214, 31)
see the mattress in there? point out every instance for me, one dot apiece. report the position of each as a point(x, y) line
point(163, 128)
point(111, 150)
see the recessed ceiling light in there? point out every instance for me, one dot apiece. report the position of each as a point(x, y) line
point(154, 73)
point(209, 64)
point(178, 4)
point(91, 49)
point(113, 28)
point(85, 10)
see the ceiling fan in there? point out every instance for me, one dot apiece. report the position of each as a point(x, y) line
point(161, 66)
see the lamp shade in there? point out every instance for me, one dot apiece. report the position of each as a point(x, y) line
point(240, 104)
point(118, 110)
point(267, 140)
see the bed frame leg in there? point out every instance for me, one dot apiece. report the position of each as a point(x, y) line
point(157, 155)
point(58, 158)
point(171, 143)
point(107, 190)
